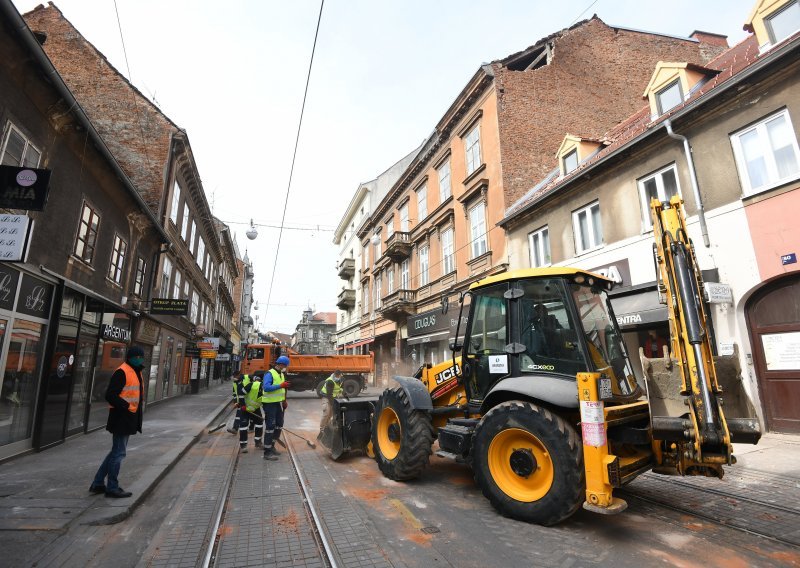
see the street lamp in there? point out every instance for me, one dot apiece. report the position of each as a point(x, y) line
point(252, 232)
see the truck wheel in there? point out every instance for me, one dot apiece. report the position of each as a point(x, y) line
point(529, 463)
point(401, 437)
point(351, 387)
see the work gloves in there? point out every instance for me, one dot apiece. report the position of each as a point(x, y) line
point(285, 385)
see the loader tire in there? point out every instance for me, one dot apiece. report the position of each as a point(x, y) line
point(529, 463)
point(402, 438)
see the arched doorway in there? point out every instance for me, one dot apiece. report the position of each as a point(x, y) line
point(773, 317)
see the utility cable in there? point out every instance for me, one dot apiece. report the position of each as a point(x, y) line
point(294, 157)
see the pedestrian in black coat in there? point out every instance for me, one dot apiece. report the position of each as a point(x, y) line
point(125, 396)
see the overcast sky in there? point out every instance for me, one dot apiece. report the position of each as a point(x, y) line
point(232, 74)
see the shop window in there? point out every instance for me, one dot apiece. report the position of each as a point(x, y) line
point(25, 352)
point(87, 234)
point(117, 260)
point(767, 154)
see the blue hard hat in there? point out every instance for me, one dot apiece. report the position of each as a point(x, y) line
point(282, 360)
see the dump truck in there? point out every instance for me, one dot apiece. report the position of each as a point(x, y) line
point(308, 372)
point(541, 401)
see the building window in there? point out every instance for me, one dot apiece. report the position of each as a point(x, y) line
point(87, 234)
point(176, 289)
point(138, 283)
point(195, 305)
point(190, 240)
point(784, 22)
point(472, 145)
point(117, 259)
point(669, 97)
point(390, 280)
point(185, 289)
point(423, 265)
point(201, 254)
point(389, 227)
point(587, 227)
point(539, 245)
point(185, 222)
point(662, 185)
point(378, 278)
point(176, 203)
point(448, 259)
point(365, 299)
point(422, 203)
point(445, 190)
point(404, 218)
point(166, 274)
point(477, 226)
point(18, 150)
point(766, 153)
point(570, 161)
point(365, 258)
point(404, 274)
point(376, 246)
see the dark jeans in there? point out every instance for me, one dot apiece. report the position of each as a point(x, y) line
point(110, 466)
point(273, 413)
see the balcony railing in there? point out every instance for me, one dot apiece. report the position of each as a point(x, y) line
point(398, 246)
point(399, 304)
point(347, 299)
point(347, 268)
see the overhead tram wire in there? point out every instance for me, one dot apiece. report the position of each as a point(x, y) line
point(294, 158)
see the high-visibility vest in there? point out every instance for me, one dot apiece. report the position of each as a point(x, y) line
point(132, 391)
point(251, 398)
point(246, 380)
point(278, 395)
point(337, 387)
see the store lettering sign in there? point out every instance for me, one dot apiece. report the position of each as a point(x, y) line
point(14, 237)
point(24, 188)
point(9, 279)
point(629, 319)
point(115, 333)
point(618, 271)
point(35, 297)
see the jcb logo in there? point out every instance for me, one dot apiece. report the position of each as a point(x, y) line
point(447, 374)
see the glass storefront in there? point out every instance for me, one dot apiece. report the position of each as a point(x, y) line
point(152, 379)
point(168, 350)
point(111, 349)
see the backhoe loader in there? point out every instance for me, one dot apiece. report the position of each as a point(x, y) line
point(542, 402)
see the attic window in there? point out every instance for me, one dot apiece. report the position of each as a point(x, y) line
point(784, 22)
point(669, 97)
point(570, 161)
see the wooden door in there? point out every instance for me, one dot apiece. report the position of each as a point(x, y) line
point(773, 316)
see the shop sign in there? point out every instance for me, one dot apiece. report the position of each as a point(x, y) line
point(35, 297)
point(114, 333)
point(208, 354)
point(24, 188)
point(434, 320)
point(15, 231)
point(223, 357)
point(192, 351)
point(718, 293)
point(619, 271)
point(9, 279)
point(214, 341)
point(169, 307)
point(205, 345)
point(147, 331)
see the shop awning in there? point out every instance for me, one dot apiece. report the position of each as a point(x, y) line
point(638, 309)
point(438, 336)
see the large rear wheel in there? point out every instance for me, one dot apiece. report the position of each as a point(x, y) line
point(351, 386)
point(529, 464)
point(401, 437)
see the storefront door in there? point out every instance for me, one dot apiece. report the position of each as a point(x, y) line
point(774, 319)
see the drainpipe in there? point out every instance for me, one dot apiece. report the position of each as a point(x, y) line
point(693, 176)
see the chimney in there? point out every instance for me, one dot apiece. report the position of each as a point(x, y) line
point(709, 38)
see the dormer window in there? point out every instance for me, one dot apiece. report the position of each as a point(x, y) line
point(773, 21)
point(570, 161)
point(669, 97)
point(574, 150)
point(672, 83)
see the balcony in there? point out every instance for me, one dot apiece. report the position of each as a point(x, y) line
point(399, 304)
point(347, 268)
point(398, 246)
point(347, 299)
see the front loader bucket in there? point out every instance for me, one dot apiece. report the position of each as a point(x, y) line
point(668, 410)
point(350, 428)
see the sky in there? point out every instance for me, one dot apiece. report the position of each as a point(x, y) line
point(232, 74)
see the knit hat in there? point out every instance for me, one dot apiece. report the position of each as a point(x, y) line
point(134, 351)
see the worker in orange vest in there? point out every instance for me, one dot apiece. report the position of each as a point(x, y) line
point(125, 397)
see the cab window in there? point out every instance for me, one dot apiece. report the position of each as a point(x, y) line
point(547, 329)
point(255, 353)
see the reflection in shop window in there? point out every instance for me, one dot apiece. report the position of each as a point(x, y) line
point(19, 385)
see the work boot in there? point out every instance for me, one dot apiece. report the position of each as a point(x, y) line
point(231, 431)
point(270, 455)
point(259, 444)
point(275, 451)
point(243, 450)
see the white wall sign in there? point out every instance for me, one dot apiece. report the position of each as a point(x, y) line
point(498, 364)
point(13, 237)
point(782, 351)
point(725, 348)
point(718, 293)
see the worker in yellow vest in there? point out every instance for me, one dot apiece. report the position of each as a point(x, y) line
point(274, 399)
point(125, 403)
point(238, 398)
point(331, 388)
point(251, 412)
